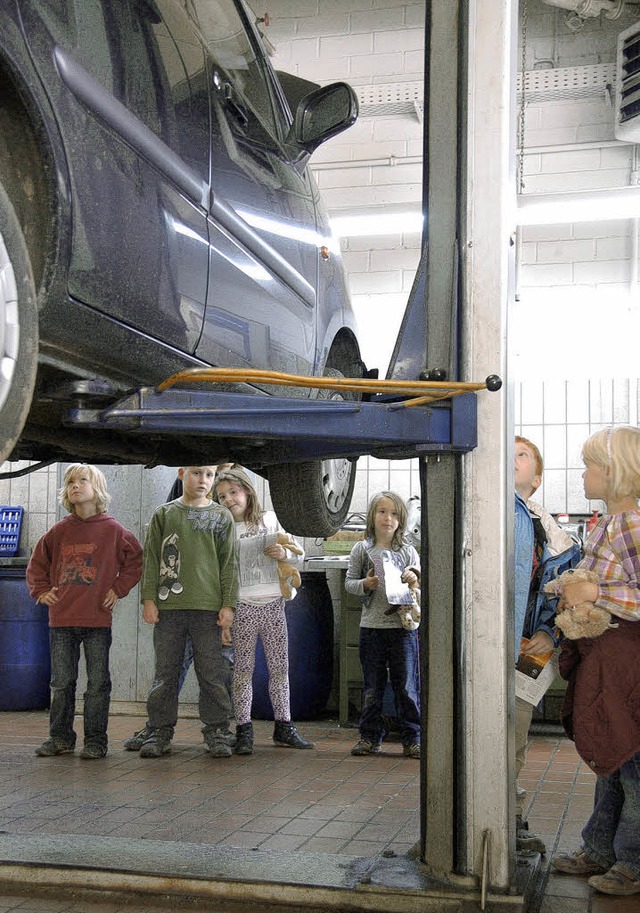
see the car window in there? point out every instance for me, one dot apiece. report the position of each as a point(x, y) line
point(240, 76)
point(148, 54)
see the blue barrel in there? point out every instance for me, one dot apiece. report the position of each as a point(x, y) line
point(25, 667)
point(310, 627)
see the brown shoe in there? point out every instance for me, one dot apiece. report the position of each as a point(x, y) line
point(618, 880)
point(577, 864)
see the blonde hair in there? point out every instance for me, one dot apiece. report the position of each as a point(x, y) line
point(401, 510)
point(98, 483)
point(254, 512)
point(617, 452)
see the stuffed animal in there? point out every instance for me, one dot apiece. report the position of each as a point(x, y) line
point(288, 576)
point(409, 614)
point(584, 619)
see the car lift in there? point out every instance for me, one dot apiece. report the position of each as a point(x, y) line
point(401, 419)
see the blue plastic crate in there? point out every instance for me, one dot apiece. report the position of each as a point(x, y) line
point(10, 526)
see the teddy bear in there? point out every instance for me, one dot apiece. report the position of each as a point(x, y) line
point(584, 619)
point(288, 576)
point(408, 613)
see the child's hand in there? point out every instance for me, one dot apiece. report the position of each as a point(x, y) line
point(370, 582)
point(574, 593)
point(541, 642)
point(276, 551)
point(110, 599)
point(49, 598)
point(150, 612)
point(409, 577)
point(224, 621)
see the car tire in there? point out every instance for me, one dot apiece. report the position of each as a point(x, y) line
point(313, 498)
point(18, 328)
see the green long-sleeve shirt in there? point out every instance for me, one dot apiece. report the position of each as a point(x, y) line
point(190, 558)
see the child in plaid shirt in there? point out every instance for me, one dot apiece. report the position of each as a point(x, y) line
point(601, 711)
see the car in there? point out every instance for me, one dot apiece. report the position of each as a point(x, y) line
point(157, 213)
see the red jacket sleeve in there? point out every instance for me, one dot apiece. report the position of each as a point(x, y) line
point(38, 574)
point(129, 564)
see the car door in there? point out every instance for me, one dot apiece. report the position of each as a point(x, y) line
point(133, 111)
point(261, 301)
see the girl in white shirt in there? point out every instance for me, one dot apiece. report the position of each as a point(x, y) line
point(260, 611)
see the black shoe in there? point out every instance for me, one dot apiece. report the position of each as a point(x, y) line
point(155, 747)
point(244, 739)
point(51, 748)
point(365, 747)
point(92, 751)
point(137, 740)
point(286, 735)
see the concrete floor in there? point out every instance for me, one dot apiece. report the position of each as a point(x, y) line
point(310, 818)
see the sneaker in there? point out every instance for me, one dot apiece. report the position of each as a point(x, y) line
point(51, 748)
point(92, 751)
point(286, 735)
point(364, 747)
point(155, 747)
point(244, 739)
point(527, 842)
point(218, 745)
point(137, 740)
point(619, 880)
point(577, 863)
point(411, 751)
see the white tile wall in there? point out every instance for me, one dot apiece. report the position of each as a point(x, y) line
point(559, 417)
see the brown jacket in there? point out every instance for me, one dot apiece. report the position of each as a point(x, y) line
point(601, 710)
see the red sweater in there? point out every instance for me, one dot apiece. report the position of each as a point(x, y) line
point(84, 559)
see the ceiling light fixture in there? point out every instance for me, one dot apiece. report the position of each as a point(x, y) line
point(378, 223)
point(583, 206)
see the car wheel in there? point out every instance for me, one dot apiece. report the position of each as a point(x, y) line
point(313, 498)
point(18, 328)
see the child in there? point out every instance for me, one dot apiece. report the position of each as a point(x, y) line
point(542, 551)
point(601, 711)
point(137, 740)
point(80, 568)
point(260, 610)
point(384, 642)
point(190, 575)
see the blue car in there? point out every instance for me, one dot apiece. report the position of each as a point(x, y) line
point(157, 214)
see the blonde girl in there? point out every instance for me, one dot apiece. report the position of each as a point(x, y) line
point(601, 712)
point(260, 610)
point(384, 643)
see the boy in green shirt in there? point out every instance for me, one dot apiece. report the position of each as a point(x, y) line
point(190, 570)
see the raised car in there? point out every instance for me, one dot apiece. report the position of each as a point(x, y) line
point(156, 214)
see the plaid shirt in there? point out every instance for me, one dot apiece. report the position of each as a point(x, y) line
point(613, 552)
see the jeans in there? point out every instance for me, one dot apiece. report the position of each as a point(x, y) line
point(397, 650)
point(228, 659)
point(612, 833)
point(65, 656)
point(169, 641)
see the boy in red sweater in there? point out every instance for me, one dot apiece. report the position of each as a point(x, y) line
point(79, 569)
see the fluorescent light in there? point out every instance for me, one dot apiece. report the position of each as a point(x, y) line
point(378, 223)
point(583, 206)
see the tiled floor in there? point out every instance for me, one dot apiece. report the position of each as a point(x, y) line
point(276, 800)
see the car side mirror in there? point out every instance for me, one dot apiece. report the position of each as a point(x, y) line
point(324, 113)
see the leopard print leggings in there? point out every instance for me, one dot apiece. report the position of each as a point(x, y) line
point(270, 623)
